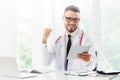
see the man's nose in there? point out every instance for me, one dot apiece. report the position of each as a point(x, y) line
point(72, 22)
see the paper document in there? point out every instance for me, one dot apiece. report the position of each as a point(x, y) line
point(75, 50)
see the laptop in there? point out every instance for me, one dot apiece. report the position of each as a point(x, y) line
point(9, 68)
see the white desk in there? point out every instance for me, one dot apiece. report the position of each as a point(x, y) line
point(60, 76)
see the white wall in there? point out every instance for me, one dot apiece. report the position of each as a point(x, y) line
point(8, 28)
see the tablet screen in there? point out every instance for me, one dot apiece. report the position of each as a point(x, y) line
point(75, 50)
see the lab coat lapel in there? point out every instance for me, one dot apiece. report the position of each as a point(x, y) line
point(63, 50)
point(76, 40)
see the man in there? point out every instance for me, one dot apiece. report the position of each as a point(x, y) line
point(61, 46)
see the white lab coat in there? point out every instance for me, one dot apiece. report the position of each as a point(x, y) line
point(57, 52)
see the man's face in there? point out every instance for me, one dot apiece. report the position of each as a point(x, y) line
point(71, 20)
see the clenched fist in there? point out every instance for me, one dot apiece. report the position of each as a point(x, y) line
point(46, 33)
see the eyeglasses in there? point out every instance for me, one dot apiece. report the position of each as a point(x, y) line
point(69, 19)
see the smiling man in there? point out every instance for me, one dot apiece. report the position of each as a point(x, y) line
point(73, 35)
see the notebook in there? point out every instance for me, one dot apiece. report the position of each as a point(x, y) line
point(9, 68)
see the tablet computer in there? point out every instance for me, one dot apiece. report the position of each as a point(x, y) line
point(75, 50)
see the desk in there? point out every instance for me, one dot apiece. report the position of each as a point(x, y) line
point(60, 76)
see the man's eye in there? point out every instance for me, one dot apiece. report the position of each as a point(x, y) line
point(68, 18)
point(75, 19)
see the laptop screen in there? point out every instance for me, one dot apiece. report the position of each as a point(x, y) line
point(8, 66)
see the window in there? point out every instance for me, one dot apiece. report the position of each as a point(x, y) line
point(24, 24)
point(110, 30)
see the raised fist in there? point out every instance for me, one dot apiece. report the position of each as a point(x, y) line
point(46, 33)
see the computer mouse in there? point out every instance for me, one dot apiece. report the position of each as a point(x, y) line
point(36, 71)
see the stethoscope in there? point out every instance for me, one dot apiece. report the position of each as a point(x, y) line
point(80, 42)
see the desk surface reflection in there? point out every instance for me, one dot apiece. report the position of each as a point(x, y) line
point(57, 75)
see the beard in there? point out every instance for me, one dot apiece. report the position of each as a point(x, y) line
point(71, 30)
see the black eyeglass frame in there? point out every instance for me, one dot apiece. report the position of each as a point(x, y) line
point(69, 19)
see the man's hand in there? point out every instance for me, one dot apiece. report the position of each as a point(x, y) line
point(85, 56)
point(46, 33)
